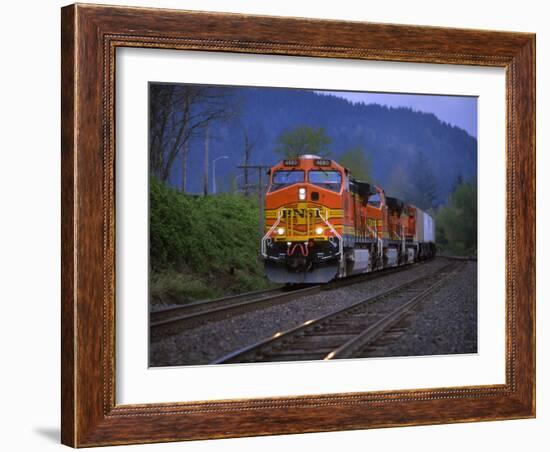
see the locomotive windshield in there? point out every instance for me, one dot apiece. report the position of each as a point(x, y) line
point(284, 178)
point(331, 180)
point(374, 200)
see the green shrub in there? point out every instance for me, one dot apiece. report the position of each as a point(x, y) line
point(214, 239)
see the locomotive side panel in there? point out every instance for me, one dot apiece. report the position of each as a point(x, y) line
point(419, 225)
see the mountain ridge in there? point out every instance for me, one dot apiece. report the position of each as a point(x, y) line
point(392, 138)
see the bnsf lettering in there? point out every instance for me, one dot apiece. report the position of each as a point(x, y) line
point(300, 213)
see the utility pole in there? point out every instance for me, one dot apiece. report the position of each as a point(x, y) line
point(184, 166)
point(246, 160)
point(260, 169)
point(206, 157)
point(261, 201)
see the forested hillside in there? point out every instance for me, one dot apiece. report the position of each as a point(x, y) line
point(402, 146)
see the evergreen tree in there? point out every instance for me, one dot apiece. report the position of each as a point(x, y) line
point(456, 224)
point(423, 188)
point(458, 182)
point(398, 182)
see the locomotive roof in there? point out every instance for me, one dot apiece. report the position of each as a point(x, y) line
point(363, 188)
point(309, 161)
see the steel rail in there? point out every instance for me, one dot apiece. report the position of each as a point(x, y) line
point(377, 330)
point(459, 258)
point(173, 319)
point(205, 305)
point(321, 326)
point(189, 320)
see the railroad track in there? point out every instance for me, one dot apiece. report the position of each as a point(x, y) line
point(460, 258)
point(174, 319)
point(346, 332)
point(205, 305)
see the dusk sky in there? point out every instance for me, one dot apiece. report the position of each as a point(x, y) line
point(460, 111)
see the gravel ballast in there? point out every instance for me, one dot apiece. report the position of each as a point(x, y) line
point(444, 323)
point(457, 320)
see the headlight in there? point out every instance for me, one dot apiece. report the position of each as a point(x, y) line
point(319, 230)
point(281, 231)
point(302, 194)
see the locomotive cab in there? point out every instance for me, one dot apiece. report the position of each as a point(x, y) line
point(303, 236)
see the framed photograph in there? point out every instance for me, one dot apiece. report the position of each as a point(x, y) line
point(281, 225)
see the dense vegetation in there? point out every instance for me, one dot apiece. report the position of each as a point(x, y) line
point(456, 223)
point(202, 247)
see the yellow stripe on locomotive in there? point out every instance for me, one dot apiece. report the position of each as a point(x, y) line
point(302, 222)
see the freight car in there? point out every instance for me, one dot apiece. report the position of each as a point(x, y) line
point(321, 223)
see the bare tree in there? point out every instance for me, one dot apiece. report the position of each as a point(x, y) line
point(184, 159)
point(251, 137)
point(161, 110)
point(206, 160)
point(177, 114)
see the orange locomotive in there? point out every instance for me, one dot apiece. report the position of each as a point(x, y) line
point(322, 224)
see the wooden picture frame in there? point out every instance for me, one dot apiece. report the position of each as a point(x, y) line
point(90, 36)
